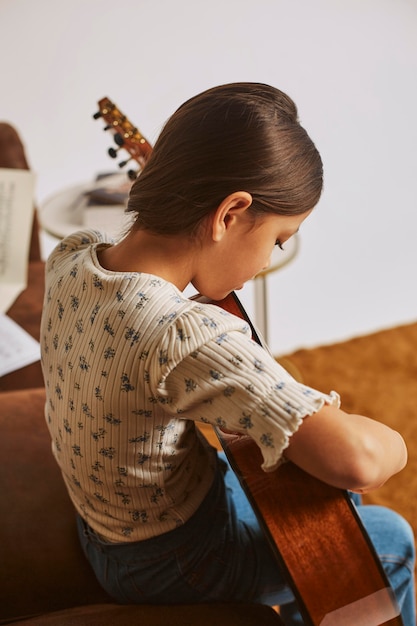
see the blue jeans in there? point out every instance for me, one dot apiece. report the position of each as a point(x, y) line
point(221, 555)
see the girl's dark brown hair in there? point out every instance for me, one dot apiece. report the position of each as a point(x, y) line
point(235, 137)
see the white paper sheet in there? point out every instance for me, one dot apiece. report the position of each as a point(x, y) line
point(17, 347)
point(16, 217)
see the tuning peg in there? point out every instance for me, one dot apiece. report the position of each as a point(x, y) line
point(132, 174)
point(119, 139)
point(97, 115)
point(113, 152)
point(123, 163)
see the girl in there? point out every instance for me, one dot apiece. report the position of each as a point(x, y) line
point(130, 364)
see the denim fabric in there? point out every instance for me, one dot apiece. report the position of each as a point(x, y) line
point(221, 554)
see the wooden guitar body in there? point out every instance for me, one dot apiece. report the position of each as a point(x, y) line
point(319, 541)
point(315, 533)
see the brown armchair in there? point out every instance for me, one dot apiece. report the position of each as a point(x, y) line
point(45, 579)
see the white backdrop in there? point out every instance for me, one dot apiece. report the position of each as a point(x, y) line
point(350, 65)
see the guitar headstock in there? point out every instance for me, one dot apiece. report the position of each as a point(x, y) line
point(126, 135)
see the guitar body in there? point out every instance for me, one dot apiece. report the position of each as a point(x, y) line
point(315, 533)
point(312, 528)
point(319, 541)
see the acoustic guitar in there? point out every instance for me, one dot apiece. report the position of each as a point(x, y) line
point(313, 528)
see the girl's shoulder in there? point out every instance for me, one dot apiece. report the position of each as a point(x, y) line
point(78, 241)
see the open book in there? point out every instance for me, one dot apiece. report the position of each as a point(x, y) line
point(17, 348)
point(16, 216)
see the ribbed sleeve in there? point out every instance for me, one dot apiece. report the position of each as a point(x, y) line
point(222, 377)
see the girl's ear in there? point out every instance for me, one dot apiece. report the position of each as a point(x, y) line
point(228, 212)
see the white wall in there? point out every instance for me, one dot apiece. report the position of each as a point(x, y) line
point(350, 65)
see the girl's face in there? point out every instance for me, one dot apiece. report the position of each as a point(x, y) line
point(244, 253)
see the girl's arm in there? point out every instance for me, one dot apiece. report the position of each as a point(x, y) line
point(346, 450)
